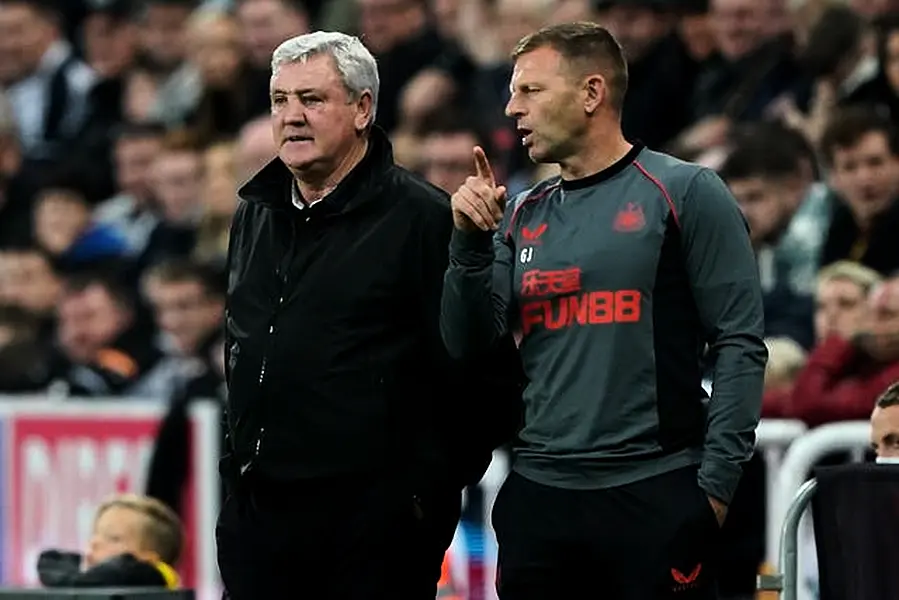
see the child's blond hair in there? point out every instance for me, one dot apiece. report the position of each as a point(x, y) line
point(163, 533)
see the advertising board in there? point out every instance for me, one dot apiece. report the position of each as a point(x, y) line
point(60, 460)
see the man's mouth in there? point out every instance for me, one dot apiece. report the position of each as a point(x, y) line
point(525, 134)
point(297, 138)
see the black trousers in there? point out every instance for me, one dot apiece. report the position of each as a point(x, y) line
point(651, 540)
point(340, 539)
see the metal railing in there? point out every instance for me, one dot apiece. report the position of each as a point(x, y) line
point(774, 437)
point(786, 580)
point(794, 491)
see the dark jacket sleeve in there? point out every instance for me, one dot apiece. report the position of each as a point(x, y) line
point(168, 468)
point(725, 283)
point(480, 406)
point(230, 265)
point(477, 293)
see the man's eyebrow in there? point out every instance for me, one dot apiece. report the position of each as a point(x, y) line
point(295, 92)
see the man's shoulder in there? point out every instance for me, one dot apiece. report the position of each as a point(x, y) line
point(538, 190)
point(667, 168)
point(675, 177)
point(417, 194)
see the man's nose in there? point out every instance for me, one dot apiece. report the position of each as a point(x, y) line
point(294, 113)
point(512, 107)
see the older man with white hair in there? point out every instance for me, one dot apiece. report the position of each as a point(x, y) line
point(341, 407)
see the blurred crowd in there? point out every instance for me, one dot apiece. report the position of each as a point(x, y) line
point(127, 126)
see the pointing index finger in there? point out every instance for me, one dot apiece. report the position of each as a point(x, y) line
point(482, 165)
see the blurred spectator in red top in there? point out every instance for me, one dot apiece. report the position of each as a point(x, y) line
point(840, 307)
point(850, 368)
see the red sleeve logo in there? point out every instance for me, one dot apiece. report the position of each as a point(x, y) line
point(532, 235)
point(682, 579)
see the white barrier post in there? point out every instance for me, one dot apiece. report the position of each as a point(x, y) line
point(206, 451)
point(773, 437)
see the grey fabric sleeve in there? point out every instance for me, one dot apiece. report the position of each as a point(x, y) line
point(725, 282)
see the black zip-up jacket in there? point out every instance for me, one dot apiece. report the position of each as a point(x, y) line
point(334, 359)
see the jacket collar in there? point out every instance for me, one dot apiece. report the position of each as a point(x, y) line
point(272, 186)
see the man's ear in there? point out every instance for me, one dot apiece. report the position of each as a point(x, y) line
point(364, 109)
point(595, 93)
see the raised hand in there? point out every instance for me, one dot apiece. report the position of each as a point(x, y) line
point(479, 203)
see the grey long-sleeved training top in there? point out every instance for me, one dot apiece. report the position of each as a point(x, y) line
point(614, 284)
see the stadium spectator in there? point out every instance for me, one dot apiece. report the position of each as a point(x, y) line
point(785, 360)
point(766, 174)
point(188, 304)
point(22, 353)
point(110, 44)
point(658, 64)
point(63, 227)
point(844, 376)
point(264, 24)
point(15, 188)
point(215, 50)
point(219, 202)
point(136, 542)
point(862, 151)
point(885, 425)
point(47, 83)
point(255, 148)
point(444, 156)
point(175, 181)
point(173, 83)
point(110, 37)
point(400, 35)
point(30, 280)
point(840, 309)
point(104, 346)
point(132, 211)
point(751, 68)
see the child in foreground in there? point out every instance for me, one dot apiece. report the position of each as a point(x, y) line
point(136, 542)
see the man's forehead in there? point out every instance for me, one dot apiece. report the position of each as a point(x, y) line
point(887, 416)
point(544, 58)
point(316, 72)
point(183, 287)
point(886, 294)
point(872, 142)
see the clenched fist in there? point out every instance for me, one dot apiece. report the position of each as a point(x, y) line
point(479, 203)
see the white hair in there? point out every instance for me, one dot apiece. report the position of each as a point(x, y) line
point(356, 65)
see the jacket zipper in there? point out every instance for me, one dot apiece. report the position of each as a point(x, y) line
point(282, 277)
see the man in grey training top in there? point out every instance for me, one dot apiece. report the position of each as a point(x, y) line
point(614, 277)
